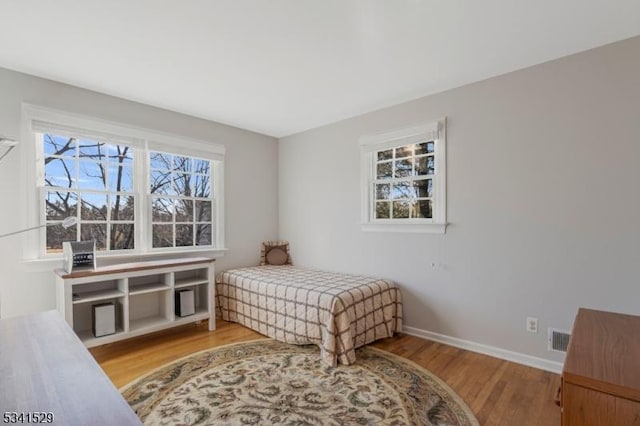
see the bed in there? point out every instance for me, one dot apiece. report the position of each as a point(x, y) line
point(338, 312)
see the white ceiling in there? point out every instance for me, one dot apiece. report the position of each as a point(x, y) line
point(283, 66)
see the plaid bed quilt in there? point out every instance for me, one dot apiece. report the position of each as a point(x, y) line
point(338, 312)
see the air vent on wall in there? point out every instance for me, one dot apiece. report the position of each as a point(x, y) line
point(558, 340)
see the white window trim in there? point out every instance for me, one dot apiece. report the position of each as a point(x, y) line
point(435, 130)
point(142, 140)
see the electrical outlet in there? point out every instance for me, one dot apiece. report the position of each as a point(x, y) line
point(532, 325)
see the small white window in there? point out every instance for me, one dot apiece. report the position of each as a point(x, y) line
point(404, 179)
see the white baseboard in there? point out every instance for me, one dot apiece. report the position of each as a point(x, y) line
point(520, 358)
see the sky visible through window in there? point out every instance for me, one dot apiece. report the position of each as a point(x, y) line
point(92, 181)
point(181, 202)
point(96, 183)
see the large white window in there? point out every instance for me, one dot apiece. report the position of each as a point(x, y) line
point(134, 191)
point(404, 179)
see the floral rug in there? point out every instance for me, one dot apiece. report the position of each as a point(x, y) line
point(268, 382)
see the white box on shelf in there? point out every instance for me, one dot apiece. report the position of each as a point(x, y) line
point(185, 303)
point(104, 319)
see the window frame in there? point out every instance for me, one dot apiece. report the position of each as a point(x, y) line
point(43, 189)
point(149, 197)
point(35, 118)
point(371, 144)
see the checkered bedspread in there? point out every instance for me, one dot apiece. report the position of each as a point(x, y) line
point(338, 312)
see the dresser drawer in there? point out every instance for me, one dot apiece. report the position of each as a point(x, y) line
point(587, 407)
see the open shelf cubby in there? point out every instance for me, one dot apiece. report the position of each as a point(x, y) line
point(200, 295)
point(143, 294)
point(98, 291)
point(82, 319)
point(191, 277)
point(149, 283)
point(147, 310)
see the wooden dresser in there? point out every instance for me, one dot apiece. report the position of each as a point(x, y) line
point(601, 374)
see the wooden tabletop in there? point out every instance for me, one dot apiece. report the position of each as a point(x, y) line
point(134, 266)
point(45, 368)
point(604, 353)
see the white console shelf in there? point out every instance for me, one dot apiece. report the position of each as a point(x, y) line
point(143, 294)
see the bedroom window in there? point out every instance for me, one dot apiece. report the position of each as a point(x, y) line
point(92, 181)
point(181, 200)
point(404, 180)
point(134, 191)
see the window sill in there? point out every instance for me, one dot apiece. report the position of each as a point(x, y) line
point(418, 228)
point(50, 263)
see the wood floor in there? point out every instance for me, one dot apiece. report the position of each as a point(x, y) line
point(499, 392)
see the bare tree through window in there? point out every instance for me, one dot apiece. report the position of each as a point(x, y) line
point(92, 181)
point(181, 200)
point(403, 183)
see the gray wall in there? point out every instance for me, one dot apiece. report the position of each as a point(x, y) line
point(250, 181)
point(543, 201)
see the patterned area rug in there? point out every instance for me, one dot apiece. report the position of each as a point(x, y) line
point(268, 382)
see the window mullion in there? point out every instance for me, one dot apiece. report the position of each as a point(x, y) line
point(76, 188)
point(142, 201)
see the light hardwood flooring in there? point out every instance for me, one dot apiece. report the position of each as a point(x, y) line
point(498, 392)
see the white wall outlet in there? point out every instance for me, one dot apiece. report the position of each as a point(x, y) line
point(532, 325)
